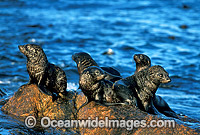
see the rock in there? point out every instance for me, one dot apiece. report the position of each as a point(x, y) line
point(108, 52)
point(172, 37)
point(29, 101)
point(183, 26)
point(185, 6)
point(93, 110)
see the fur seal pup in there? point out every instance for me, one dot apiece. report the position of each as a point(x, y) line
point(144, 85)
point(84, 60)
point(50, 78)
point(143, 62)
point(148, 81)
point(96, 88)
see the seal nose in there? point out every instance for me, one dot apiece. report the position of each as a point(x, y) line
point(74, 57)
point(101, 77)
point(136, 58)
point(167, 80)
point(21, 48)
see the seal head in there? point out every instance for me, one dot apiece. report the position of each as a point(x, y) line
point(90, 82)
point(34, 53)
point(142, 62)
point(159, 75)
point(83, 61)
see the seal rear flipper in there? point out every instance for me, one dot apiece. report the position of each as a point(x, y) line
point(113, 104)
point(109, 104)
point(124, 93)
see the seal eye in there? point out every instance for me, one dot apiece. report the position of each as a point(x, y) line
point(141, 57)
point(161, 75)
point(97, 72)
point(28, 47)
point(33, 50)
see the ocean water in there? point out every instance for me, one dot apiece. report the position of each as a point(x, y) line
point(167, 31)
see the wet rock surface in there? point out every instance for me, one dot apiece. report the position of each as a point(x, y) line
point(93, 110)
point(28, 100)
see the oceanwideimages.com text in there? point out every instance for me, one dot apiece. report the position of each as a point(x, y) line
point(46, 122)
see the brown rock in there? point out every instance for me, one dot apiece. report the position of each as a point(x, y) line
point(93, 110)
point(183, 26)
point(28, 100)
point(172, 37)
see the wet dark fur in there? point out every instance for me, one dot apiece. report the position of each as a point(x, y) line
point(90, 82)
point(124, 93)
point(84, 60)
point(144, 62)
point(96, 88)
point(50, 78)
point(144, 85)
point(147, 83)
point(93, 84)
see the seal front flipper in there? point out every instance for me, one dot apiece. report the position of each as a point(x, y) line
point(162, 106)
point(111, 77)
point(84, 104)
point(55, 96)
point(30, 81)
point(150, 108)
point(43, 89)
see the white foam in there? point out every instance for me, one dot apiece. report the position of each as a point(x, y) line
point(5, 82)
point(72, 86)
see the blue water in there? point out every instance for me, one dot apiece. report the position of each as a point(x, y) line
point(152, 27)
